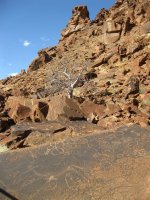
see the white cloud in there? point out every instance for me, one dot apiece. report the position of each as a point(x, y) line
point(26, 43)
point(13, 74)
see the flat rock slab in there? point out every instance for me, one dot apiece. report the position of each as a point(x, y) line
point(32, 134)
point(106, 166)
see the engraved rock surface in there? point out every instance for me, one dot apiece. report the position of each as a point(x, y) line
point(100, 166)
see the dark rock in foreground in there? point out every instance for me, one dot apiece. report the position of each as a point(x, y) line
point(100, 166)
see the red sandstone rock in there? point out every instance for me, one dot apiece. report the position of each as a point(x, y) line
point(21, 109)
point(91, 110)
point(80, 17)
point(116, 47)
point(19, 113)
point(61, 107)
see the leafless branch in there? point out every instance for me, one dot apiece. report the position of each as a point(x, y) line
point(67, 76)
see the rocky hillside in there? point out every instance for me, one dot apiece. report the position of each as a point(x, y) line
point(114, 89)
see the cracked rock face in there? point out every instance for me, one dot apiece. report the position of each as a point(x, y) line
point(73, 148)
point(79, 19)
point(114, 90)
point(107, 165)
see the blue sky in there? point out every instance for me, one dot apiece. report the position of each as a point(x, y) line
point(26, 26)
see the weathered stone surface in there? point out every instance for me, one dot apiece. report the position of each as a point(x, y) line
point(91, 109)
point(61, 107)
point(36, 64)
point(44, 56)
point(102, 16)
point(39, 112)
point(101, 166)
point(114, 47)
point(19, 113)
point(133, 85)
point(111, 31)
point(36, 133)
point(12, 101)
point(112, 109)
point(21, 109)
point(144, 105)
point(80, 17)
point(31, 134)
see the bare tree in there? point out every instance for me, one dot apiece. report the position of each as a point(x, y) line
point(66, 77)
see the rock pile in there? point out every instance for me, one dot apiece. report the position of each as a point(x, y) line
point(115, 89)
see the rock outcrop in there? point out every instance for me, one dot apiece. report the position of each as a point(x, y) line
point(114, 90)
point(80, 18)
point(44, 56)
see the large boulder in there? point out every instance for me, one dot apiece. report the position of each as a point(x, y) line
point(19, 113)
point(22, 109)
point(39, 112)
point(61, 107)
point(93, 112)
